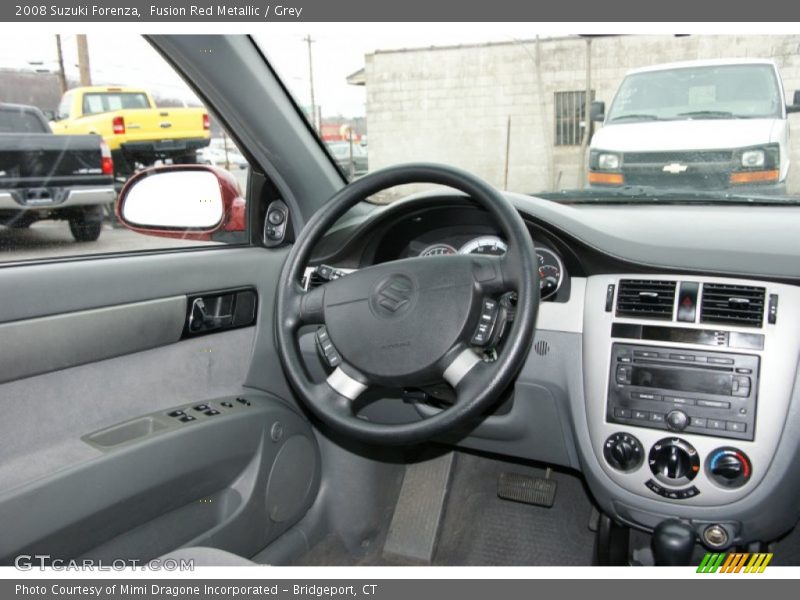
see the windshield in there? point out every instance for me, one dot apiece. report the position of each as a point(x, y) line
point(572, 118)
point(729, 91)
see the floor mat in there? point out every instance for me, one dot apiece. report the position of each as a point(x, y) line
point(481, 529)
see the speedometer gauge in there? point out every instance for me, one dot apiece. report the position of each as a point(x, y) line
point(438, 250)
point(487, 244)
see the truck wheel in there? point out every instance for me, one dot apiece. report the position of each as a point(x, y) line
point(86, 227)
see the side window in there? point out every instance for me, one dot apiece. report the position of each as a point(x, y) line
point(570, 122)
point(62, 112)
point(138, 113)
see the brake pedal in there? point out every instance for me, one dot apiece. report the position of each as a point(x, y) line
point(539, 491)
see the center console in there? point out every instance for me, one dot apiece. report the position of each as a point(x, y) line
point(687, 386)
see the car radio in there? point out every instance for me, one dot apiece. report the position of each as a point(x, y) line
point(706, 393)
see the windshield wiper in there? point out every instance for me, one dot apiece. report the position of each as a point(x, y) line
point(639, 116)
point(708, 114)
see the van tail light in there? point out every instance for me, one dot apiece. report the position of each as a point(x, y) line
point(206, 122)
point(118, 125)
point(106, 161)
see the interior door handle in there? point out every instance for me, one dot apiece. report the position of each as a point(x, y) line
point(199, 317)
point(218, 311)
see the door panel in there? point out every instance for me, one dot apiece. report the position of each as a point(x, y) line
point(34, 346)
point(154, 483)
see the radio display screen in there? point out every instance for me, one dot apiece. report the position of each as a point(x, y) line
point(684, 380)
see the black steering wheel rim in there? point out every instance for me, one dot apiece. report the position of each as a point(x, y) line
point(480, 384)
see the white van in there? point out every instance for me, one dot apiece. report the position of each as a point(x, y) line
point(706, 124)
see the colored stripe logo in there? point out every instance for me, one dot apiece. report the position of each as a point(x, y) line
point(734, 562)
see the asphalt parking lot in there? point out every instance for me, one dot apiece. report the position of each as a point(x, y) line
point(52, 239)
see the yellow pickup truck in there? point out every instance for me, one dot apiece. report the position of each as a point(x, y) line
point(137, 132)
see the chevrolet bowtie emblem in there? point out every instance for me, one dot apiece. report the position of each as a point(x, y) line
point(674, 168)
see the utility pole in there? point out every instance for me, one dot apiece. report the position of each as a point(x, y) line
point(314, 120)
point(587, 116)
point(62, 76)
point(83, 59)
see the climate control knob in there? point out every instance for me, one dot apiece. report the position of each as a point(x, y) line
point(623, 452)
point(674, 461)
point(729, 467)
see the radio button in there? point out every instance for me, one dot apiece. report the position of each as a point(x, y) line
point(622, 413)
point(656, 417)
point(645, 354)
point(641, 415)
point(623, 374)
point(720, 361)
point(713, 404)
point(744, 371)
point(679, 400)
point(644, 396)
point(698, 422)
point(736, 426)
point(683, 357)
point(677, 420)
point(716, 424)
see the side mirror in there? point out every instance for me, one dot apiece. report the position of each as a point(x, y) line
point(598, 111)
point(183, 201)
point(795, 105)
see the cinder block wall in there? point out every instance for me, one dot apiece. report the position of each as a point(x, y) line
point(452, 104)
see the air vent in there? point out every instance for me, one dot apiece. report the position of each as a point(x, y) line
point(732, 304)
point(645, 299)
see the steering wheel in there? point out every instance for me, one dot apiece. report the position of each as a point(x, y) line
point(408, 323)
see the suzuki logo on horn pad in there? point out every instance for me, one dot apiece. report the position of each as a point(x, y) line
point(393, 296)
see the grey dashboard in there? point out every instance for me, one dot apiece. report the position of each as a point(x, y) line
point(560, 410)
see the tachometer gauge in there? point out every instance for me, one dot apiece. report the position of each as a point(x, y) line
point(551, 272)
point(488, 244)
point(438, 250)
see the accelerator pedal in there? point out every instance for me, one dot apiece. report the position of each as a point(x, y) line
point(539, 491)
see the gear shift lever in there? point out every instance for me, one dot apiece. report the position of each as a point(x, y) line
point(673, 543)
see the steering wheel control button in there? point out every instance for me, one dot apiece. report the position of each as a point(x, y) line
point(187, 419)
point(227, 404)
point(211, 412)
point(729, 467)
point(176, 413)
point(486, 323)
point(677, 420)
point(326, 349)
point(623, 452)
point(201, 407)
point(674, 461)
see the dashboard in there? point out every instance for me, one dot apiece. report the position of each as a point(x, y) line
point(665, 362)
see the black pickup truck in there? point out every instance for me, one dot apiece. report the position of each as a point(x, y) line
point(47, 176)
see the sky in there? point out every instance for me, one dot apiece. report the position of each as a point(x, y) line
point(127, 59)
